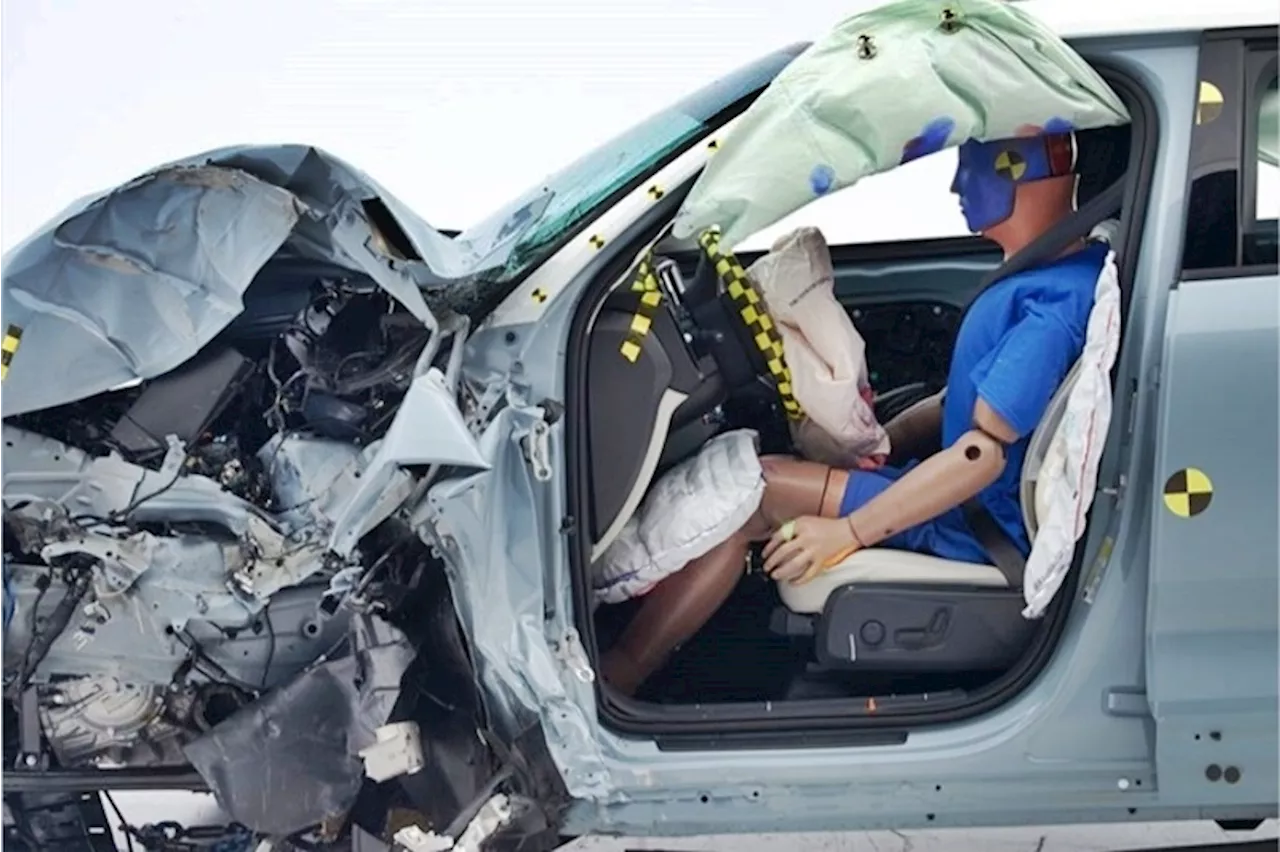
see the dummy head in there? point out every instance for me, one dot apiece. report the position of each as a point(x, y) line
point(1013, 190)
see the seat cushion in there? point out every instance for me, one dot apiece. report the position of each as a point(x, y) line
point(882, 565)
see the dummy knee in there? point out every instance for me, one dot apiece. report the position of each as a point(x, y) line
point(797, 487)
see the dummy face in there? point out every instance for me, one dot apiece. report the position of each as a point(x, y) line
point(989, 173)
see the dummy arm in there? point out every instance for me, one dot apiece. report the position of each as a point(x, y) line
point(801, 549)
point(917, 431)
point(941, 482)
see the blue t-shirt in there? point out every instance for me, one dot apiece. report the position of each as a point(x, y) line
point(1015, 346)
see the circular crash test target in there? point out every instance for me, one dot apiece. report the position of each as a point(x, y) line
point(1188, 492)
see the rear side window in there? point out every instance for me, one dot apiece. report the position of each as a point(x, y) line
point(1260, 240)
point(1234, 177)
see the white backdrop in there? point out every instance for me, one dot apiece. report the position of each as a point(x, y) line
point(455, 105)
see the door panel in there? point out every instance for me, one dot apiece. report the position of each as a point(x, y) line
point(1212, 610)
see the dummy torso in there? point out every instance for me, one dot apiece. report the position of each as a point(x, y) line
point(1016, 344)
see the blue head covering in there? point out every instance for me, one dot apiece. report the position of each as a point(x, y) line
point(988, 173)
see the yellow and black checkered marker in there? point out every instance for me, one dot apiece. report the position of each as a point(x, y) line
point(539, 295)
point(597, 242)
point(1009, 164)
point(8, 346)
point(645, 282)
point(655, 192)
point(1188, 492)
point(754, 314)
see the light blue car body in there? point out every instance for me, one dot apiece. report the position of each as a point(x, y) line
point(1162, 686)
point(1168, 662)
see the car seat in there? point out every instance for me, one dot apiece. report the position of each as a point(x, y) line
point(884, 609)
point(894, 610)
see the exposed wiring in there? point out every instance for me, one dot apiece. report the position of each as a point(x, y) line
point(41, 590)
point(77, 580)
point(121, 514)
point(201, 657)
point(125, 828)
point(364, 581)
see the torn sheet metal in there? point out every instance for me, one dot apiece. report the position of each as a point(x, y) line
point(893, 84)
point(148, 584)
point(130, 283)
point(49, 480)
point(292, 759)
point(447, 441)
point(324, 485)
point(137, 282)
point(495, 540)
point(327, 184)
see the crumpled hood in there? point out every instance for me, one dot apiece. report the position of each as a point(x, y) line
point(902, 81)
point(130, 283)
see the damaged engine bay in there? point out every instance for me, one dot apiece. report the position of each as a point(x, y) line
point(173, 550)
point(226, 396)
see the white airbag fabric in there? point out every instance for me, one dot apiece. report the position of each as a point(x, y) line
point(825, 353)
point(694, 506)
point(1069, 474)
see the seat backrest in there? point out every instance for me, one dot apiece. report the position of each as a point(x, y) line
point(1035, 464)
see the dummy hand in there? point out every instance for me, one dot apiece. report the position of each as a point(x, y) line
point(815, 544)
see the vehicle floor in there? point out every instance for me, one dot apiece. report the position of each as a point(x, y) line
point(736, 658)
point(732, 658)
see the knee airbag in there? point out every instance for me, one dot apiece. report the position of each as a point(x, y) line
point(692, 508)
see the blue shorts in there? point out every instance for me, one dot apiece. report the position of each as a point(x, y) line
point(947, 535)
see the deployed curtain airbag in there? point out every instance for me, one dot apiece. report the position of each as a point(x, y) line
point(896, 83)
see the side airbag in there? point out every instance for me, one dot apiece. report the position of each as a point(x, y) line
point(694, 506)
point(1068, 476)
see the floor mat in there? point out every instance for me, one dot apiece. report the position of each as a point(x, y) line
point(734, 657)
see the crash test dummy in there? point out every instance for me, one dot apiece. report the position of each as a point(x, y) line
point(1015, 345)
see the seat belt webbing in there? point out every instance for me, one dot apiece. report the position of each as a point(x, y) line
point(1000, 549)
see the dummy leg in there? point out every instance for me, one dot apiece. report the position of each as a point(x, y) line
point(794, 487)
point(676, 608)
point(673, 611)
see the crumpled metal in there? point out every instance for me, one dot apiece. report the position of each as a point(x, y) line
point(292, 759)
point(128, 284)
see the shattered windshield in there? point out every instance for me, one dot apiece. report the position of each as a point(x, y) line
point(570, 196)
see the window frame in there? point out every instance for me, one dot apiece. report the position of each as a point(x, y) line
point(1236, 61)
point(1260, 66)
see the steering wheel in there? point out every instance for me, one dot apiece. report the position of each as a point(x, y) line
point(735, 328)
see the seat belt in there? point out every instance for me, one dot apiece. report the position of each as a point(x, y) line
point(1064, 233)
point(1000, 549)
